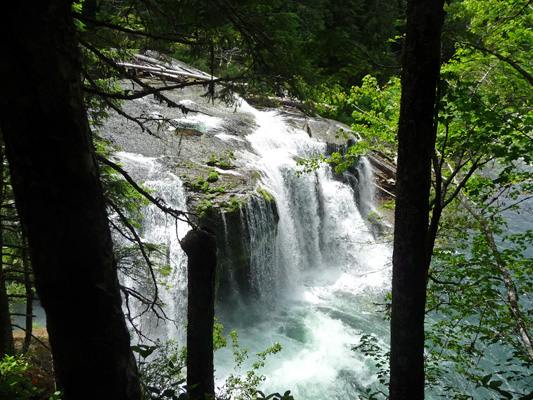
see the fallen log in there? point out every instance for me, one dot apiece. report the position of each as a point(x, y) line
point(166, 72)
point(174, 65)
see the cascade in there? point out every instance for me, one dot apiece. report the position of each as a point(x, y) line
point(315, 268)
point(365, 187)
point(316, 281)
point(160, 229)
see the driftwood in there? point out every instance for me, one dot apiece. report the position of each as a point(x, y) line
point(386, 174)
point(174, 70)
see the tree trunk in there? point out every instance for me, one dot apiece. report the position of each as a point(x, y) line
point(7, 346)
point(201, 249)
point(60, 201)
point(416, 141)
point(28, 286)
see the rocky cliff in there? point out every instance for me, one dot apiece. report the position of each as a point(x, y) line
point(204, 144)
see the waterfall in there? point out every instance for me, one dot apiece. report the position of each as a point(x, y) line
point(315, 282)
point(301, 259)
point(322, 225)
point(157, 228)
point(260, 222)
point(366, 187)
point(313, 269)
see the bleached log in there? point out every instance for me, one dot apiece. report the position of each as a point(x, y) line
point(175, 65)
point(166, 71)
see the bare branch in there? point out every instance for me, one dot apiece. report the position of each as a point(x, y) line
point(33, 336)
point(141, 244)
point(179, 215)
point(460, 185)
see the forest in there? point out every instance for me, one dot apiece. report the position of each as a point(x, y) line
point(439, 90)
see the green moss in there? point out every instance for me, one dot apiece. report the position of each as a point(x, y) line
point(212, 160)
point(213, 177)
point(220, 189)
point(203, 207)
point(235, 205)
point(265, 194)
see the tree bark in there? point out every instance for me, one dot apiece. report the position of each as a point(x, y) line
point(7, 345)
point(201, 249)
point(416, 141)
point(29, 295)
point(60, 201)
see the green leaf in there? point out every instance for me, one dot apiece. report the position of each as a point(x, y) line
point(168, 393)
point(143, 350)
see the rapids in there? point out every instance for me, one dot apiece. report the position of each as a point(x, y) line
point(315, 284)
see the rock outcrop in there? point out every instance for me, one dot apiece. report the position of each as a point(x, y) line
point(204, 144)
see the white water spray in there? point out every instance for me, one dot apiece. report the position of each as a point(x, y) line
point(315, 267)
point(164, 231)
point(318, 283)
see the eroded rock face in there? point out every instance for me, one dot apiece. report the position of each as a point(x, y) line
point(194, 145)
point(207, 149)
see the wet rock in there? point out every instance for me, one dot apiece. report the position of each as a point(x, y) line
point(204, 144)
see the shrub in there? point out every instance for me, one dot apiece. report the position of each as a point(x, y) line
point(15, 382)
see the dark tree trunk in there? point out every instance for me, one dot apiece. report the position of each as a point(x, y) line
point(7, 346)
point(201, 249)
point(416, 141)
point(28, 286)
point(60, 201)
point(90, 7)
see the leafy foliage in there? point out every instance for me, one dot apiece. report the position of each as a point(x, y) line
point(14, 381)
point(163, 370)
point(241, 387)
point(374, 116)
point(370, 347)
point(471, 313)
point(479, 288)
point(163, 376)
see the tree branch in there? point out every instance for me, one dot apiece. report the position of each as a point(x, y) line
point(501, 57)
point(33, 336)
point(512, 294)
point(170, 38)
point(111, 63)
point(179, 215)
point(138, 240)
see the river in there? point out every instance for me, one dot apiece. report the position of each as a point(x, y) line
point(315, 286)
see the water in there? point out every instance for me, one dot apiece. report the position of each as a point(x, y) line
point(317, 286)
point(163, 230)
point(315, 276)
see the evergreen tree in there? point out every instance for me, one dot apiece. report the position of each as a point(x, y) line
point(60, 202)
